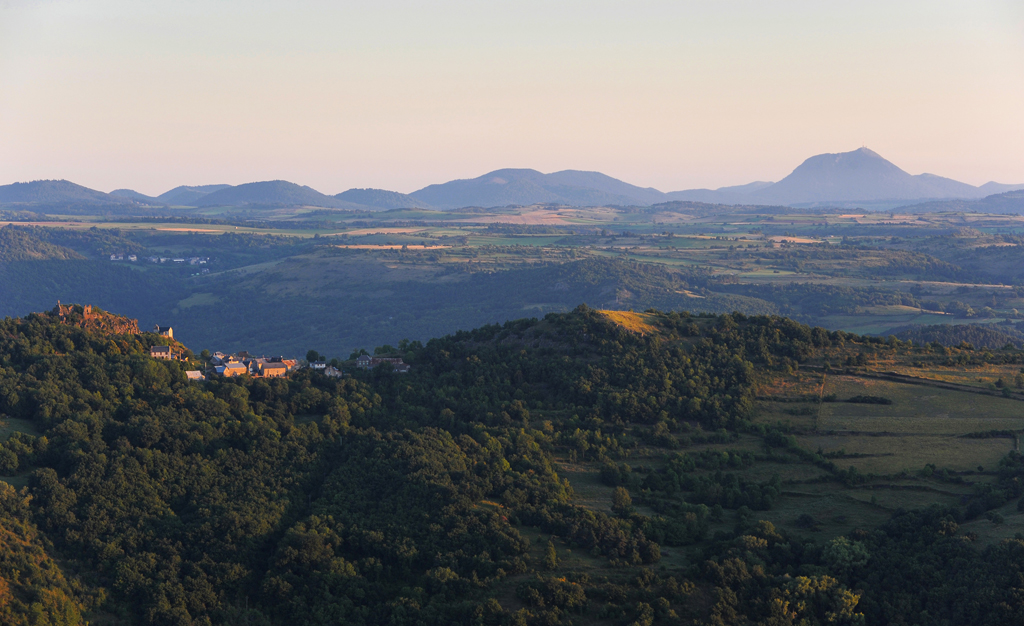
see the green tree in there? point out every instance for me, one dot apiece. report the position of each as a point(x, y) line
point(622, 503)
point(841, 555)
point(550, 557)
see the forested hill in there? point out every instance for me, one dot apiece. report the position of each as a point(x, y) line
point(19, 245)
point(441, 496)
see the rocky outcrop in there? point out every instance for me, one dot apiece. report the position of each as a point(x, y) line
point(94, 319)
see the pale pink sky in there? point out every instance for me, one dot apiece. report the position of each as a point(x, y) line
point(398, 95)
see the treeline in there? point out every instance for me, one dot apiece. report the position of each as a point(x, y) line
point(819, 300)
point(977, 335)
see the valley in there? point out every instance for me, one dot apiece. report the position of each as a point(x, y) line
point(346, 280)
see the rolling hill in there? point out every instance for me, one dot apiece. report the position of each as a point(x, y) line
point(526, 186)
point(272, 192)
point(54, 192)
point(188, 195)
point(381, 199)
point(131, 194)
point(1009, 202)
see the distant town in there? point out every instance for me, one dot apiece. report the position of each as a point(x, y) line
point(192, 260)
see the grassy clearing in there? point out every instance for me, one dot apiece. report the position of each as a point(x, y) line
point(916, 409)
point(585, 479)
point(18, 480)
point(198, 299)
point(789, 473)
point(923, 425)
point(11, 425)
point(891, 454)
point(982, 377)
point(990, 533)
point(835, 511)
point(635, 322)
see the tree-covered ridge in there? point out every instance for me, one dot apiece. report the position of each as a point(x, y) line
point(18, 245)
point(418, 498)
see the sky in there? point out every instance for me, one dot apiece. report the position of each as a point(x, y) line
point(672, 94)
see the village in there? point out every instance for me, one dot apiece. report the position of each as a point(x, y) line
point(244, 364)
point(131, 258)
point(241, 363)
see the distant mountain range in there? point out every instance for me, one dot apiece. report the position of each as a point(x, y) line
point(857, 178)
point(267, 192)
point(56, 192)
point(179, 196)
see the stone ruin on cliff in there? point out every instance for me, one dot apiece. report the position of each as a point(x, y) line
point(94, 319)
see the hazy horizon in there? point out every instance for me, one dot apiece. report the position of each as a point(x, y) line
point(399, 96)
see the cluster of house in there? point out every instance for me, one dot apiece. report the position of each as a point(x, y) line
point(257, 366)
point(367, 362)
point(265, 367)
point(192, 260)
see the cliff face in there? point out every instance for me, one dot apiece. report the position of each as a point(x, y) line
point(95, 320)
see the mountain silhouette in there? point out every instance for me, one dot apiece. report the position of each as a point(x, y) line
point(857, 178)
point(381, 199)
point(861, 175)
point(188, 195)
point(526, 186)
point(131, 194)
point(272, 192)
point(56, 192)
point(845, 178)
